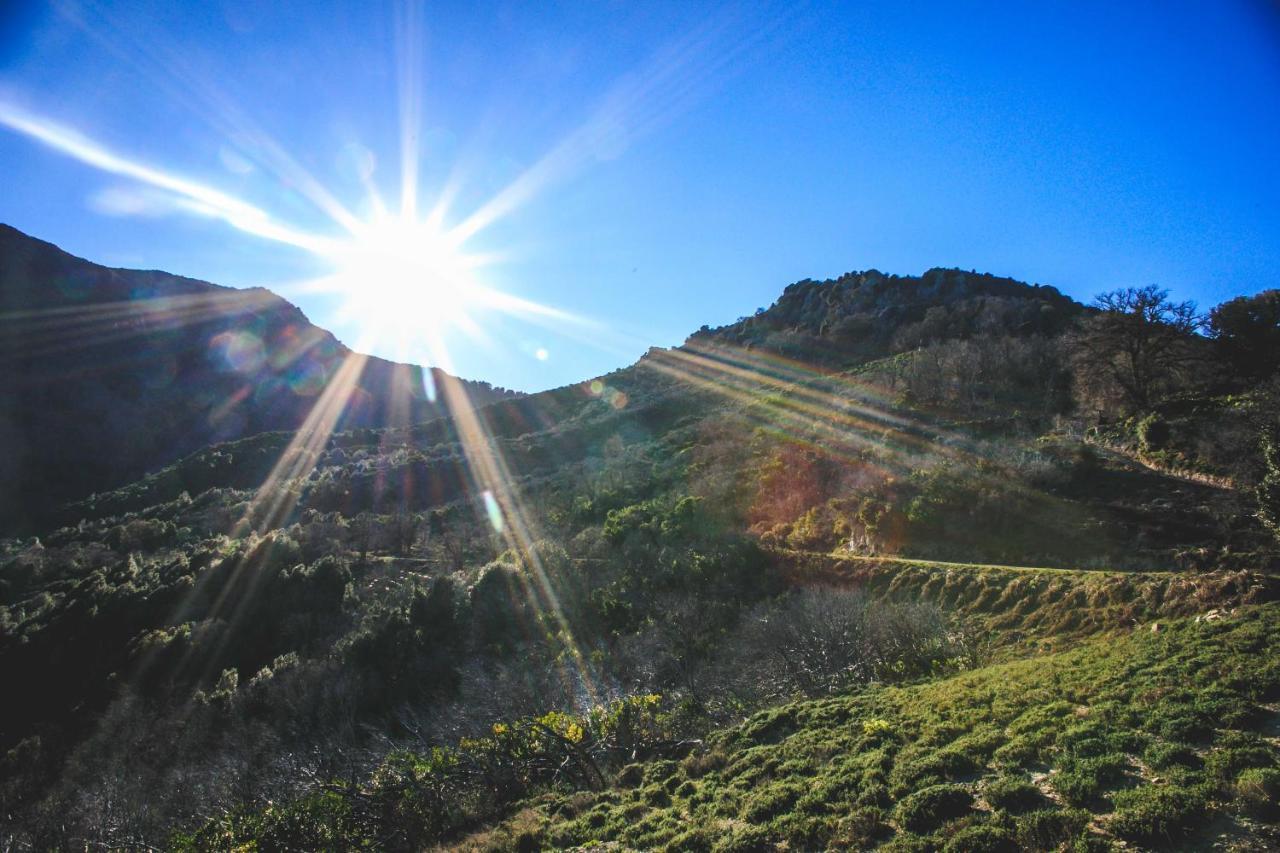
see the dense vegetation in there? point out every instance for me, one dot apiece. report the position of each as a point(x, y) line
point(945, 511)
point(1161, 737)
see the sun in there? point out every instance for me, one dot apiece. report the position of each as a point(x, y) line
point(402, 278)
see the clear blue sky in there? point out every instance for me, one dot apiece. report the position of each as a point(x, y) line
point(681, 162)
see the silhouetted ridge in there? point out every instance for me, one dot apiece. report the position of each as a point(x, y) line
point(870, 314)
point(109, 373)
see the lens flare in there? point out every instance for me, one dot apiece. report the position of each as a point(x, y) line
point(397, 277)
point(493, 511)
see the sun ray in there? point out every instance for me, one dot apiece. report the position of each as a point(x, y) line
point(192, 195)
point(493, 478)
point(169, 69)
point(45, 332)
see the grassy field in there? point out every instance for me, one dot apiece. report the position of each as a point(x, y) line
point(1159, 737)
point(1016, 610)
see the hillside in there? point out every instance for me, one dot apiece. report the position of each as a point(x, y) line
point(1161, 737)
point(108, 374)
point(605, 611)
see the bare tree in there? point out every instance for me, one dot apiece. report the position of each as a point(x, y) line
point(1138, 346)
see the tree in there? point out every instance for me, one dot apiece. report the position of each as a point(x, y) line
point(1268, 491)
point(361, 531)
point(1137, 347)
point(1247, 332)
point(404, 530)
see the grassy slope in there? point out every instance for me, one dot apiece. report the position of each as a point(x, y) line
point(1020, 609)
point(1141, 737)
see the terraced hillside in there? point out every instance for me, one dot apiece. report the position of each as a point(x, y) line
point(1164, 737)
point(1108, 710)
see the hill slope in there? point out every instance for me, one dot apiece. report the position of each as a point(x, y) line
point(107, 374)
point(393, 635)
point(1163, 737)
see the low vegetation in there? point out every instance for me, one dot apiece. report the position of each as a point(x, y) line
point(1030, 754)
point(923, 563)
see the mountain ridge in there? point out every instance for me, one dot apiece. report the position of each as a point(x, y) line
point(112, 373)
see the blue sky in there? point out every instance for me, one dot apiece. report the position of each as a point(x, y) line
point(658, 166)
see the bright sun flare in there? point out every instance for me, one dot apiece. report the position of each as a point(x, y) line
point(402, 278)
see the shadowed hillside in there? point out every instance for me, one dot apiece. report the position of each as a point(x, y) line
point(107, 374)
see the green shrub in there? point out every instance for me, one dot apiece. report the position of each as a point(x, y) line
point(861, 827)
point(929, 808)
point(744, 839)
point(1158, 814)
point(1162, 756)
point(980, 744)
point(696, 840)
point(1153, 434)
point(982, 838)
point(630, 776)
point(1012, 794)
point(1082, 781)
point(698, 764)
point(1022, 751)
point(1226, 763)
point(1182, 725)
point(1049, 829)
point(771, 801)
point(937, 765)
point(1257, 791)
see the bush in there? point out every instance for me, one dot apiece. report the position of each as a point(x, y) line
point(1082, 781)
point(1225, 764)
point(1258, 792)
point(943, 764)
point(772, 801)
point(1022, 751)
point(861, 827)
point(1153, 434)
point(1013, 795)
point(1158, 813)
point(929, 808)
point(1049, 829)
point(1162, 756)
point(1181, 726)
point(982, 838)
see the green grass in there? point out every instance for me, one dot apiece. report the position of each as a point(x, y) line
point(1024, 610)
point(1082, 747)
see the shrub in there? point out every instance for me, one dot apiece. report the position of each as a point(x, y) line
point(1049, 829)
point(1083, 780)
point(861, 827)
point(1153, 434)
point(1013, 795)
point(1158, 813)
point(1162, 756)
point(876, 728)
point(982, 838)
point(698, 764)
point(980, 744)
point(744, 839)
point(941, 764)
point(1181, 726)
point(1258, 792)
point(1022, 751)
point(929, 808)
point(1225, 764)
point(630, 776)
point(696, 840)
point(769, 802)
